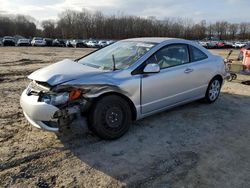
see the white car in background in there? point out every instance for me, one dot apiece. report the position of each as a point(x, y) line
point(38, 41)
point(203, 43)
point(239, 44)
point(102, 44)
point(91, 44)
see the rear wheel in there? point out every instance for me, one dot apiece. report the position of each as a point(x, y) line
point(213, 90)
point(110, 117)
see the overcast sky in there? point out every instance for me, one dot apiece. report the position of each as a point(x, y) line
point(210, 10)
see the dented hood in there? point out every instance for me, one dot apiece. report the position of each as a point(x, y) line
point(63, 71)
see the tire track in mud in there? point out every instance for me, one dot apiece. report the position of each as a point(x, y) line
point(8, 75)
point(32, 166)
point(22, 62)
point(6, 80)
point(16, 73)
point(14, 76)
point(6, 137)
point(70, 145)
point(15, 115)
point(17, 162)
point(27, 159)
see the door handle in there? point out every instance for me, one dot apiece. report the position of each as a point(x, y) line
point(188, 70)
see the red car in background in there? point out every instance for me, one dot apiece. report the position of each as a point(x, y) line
point(221, 45)
point(224, 44)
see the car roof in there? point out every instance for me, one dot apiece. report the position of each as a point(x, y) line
point(159, 40)
point(153, 39)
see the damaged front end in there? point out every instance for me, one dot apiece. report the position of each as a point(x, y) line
point(50, 109)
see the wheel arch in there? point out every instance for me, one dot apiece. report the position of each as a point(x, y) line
point(127, 99)
point(217, 76)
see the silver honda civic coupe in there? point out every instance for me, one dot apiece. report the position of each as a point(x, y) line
point(126, 81)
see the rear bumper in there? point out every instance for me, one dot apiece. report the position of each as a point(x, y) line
point(38, 113)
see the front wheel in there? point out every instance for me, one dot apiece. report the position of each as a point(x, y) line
point(110, 117)
point(213, 90)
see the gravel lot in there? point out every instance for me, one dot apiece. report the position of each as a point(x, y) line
point(195, 145)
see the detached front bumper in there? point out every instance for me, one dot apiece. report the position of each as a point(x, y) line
point(39, 114)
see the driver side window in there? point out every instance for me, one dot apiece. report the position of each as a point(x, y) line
point(170, 56)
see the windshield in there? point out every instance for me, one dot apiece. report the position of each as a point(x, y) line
point(122, 54)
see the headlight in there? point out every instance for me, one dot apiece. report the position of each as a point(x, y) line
point(60, 98)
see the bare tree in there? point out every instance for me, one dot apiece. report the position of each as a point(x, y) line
point(17, 25)
point(49, 28)
point(221, 29)
point(233, 29)
point(85, 24)
point(243, 27)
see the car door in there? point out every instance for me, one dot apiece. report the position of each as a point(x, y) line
point(173, 84)
point(201, 71)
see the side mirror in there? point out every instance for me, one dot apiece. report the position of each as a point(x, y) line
point(151, 68)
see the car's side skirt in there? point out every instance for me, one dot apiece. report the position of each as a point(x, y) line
point(140, 116)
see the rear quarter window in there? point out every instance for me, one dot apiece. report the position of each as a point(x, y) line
point(197, 54)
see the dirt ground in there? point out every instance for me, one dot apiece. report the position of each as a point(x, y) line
point(195, 145)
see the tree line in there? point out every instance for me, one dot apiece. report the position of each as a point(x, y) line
point(85, 24)
point(17, 25)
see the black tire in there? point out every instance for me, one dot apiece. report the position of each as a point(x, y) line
point(213, 90)
point(110, 117)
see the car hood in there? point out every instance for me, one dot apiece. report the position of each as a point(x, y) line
point(63, 71)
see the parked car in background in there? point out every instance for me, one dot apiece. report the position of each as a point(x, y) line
point(69, 43)
point(109, 42)
point(102, 44)
point(23, 42)
point(215, 44)
point(91, 44)
point(239, 44)
point(224, 44)
point(203, 43)
point(1, 43)
point(228, 44)
point(59, 43)
point(126, 81)
point(48, 41)
point(38, 41)
point(212, 44)
point(8, 41)
point(77, 43)
point(221, 44)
